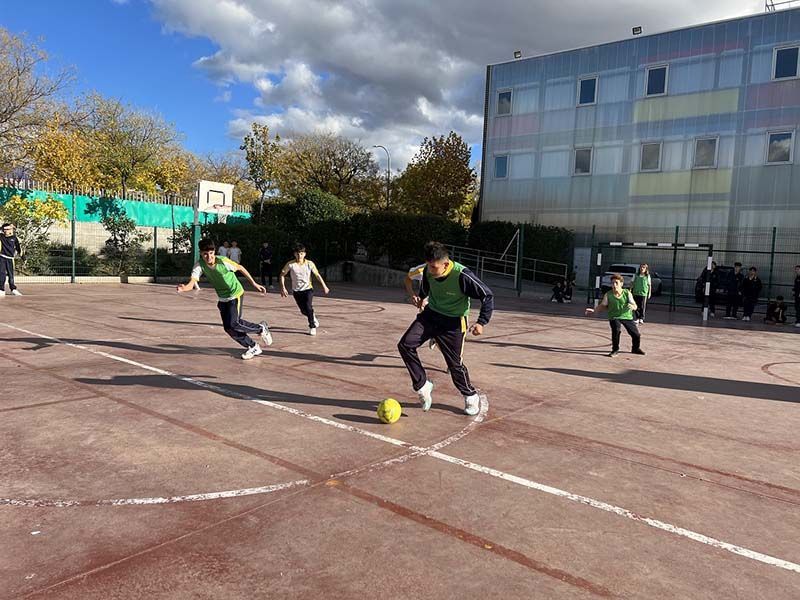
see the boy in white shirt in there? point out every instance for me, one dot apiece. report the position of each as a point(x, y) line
point(301, 270)
point(235, 253)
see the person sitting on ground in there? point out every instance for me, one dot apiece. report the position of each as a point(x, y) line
point(559, 290)
point(776, 311)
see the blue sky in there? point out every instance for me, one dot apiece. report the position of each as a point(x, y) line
point(120, 50)
point(374, 71)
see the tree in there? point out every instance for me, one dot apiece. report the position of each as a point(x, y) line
point(63, 157)
point(26, 96)
point(231, 168)
point(262, 156)
point(332, 164)
point(127, 142)
point(123, 250)
point(314, 206)
point(33, 219)
point(439, 180)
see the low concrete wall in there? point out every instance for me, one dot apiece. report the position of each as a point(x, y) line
point(59, 279)
point(365, 274)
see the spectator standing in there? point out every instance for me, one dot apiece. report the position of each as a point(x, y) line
point(265, 259)
point(734, 300)
point(796, 294)
point(235, 253)
point(641, 287)
point(751, 289)
point(9, 248)
point(224, 250)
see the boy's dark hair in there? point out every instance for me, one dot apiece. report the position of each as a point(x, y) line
point(754, 269)
point(435, 251)
point(737, 264)
point(299, 248)
point(206, 244)
point(617, 277)
point(779, 298)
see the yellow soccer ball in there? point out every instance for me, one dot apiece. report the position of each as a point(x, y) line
point(389, 411)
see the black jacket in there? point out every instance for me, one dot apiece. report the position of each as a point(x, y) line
point(751, 288)
point(9, 245)
point(735, 283)
point(470, 286)
point(796, 287)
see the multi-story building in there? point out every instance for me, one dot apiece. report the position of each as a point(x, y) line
point(694, 127)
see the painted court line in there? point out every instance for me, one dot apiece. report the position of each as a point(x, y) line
point(434, 453)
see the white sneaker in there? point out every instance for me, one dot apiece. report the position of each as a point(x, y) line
point(266, 336)
point(2, 292)
point(472, 404)
point(312, 331)
point(713, 315)
point(797, 324)
point(745, 318)
point(16, 293)
point(251, 352)
point(425, 397)
point(316, 321)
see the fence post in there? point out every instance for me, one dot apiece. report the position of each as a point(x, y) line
point(72, 238)
point(589, 286)
point(771, 263)
point(672, 302)
point(520, 257)
point(155, 254)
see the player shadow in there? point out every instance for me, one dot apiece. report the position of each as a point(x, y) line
point(273, 329)
point(363, 419)
point(689, 383)
point(361, 359)
point(230, 391)
point(555, 349)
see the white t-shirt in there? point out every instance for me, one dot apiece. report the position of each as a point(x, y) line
point(235, 254)
point(301, 274)
point(223, 251)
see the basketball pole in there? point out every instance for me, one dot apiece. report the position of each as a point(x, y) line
point(196, 227)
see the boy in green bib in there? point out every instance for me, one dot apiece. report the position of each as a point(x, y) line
point(221, 274)
point(620, 305)
point(448, 287)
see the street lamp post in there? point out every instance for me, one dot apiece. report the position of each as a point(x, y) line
point(388, 173)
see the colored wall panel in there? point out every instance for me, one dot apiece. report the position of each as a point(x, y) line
point(689, 105)
point(704, 181)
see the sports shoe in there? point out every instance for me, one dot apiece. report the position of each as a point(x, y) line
point(745, 318)
point(251, 352)
point(472, 404)
point(432, 344)
point(16, 293)
point(316, 321)
point(797, 324)
point(312, 331)
point(425, 397)
point(2, 292)
point(638, 351)
point(613, 353)
point(266, 336)
point(712, 314)
point(729, 318)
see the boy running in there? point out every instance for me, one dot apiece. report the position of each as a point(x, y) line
point(9, 248)
point(221, 274)
point(301, 270)
point(448, 287)
point(620, 305)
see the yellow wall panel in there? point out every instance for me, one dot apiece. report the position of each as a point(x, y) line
point(701, 181)
point(688, 105)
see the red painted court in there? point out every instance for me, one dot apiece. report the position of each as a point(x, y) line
point(141, 458)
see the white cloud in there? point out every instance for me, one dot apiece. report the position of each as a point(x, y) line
point(391, 72)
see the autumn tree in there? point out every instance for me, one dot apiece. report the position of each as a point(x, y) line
point(332, 164)
point(33, 218)
point(128, 142)
point(26, 96)
point(232, 168)
point(63, 157)
point(262, 155)
point(439, 179)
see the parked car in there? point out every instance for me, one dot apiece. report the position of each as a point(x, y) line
point(628, 271)
point(724, 284)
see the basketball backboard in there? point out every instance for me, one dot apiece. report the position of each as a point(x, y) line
point(214, 197)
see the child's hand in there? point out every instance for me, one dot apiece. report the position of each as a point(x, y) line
point(261, 289)
point(284, 293)
point(325, 289)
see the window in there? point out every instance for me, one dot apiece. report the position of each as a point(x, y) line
point(501, 167)
point(656, 81)
point(583, 161)
point(780, 147)
point(651, 157)
point(705, 153)
point(784, 62)
point(504, 103)
point(587, 91)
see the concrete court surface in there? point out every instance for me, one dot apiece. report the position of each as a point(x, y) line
point(141, 458)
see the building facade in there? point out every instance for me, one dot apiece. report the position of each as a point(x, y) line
point(693, 128)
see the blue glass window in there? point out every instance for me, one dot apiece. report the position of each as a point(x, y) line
point(656, 81)
point(587, 93)
point(500, 167)
point(504, 103)
point(583, 161)
point(785, 63)
point(779, 147)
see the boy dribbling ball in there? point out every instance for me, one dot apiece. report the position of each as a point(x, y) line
point(301, 269)
point(221, 274)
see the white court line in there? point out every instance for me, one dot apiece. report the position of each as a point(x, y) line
point(433, 453)
point(146, 501)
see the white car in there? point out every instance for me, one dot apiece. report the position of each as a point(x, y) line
point(628, 271)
